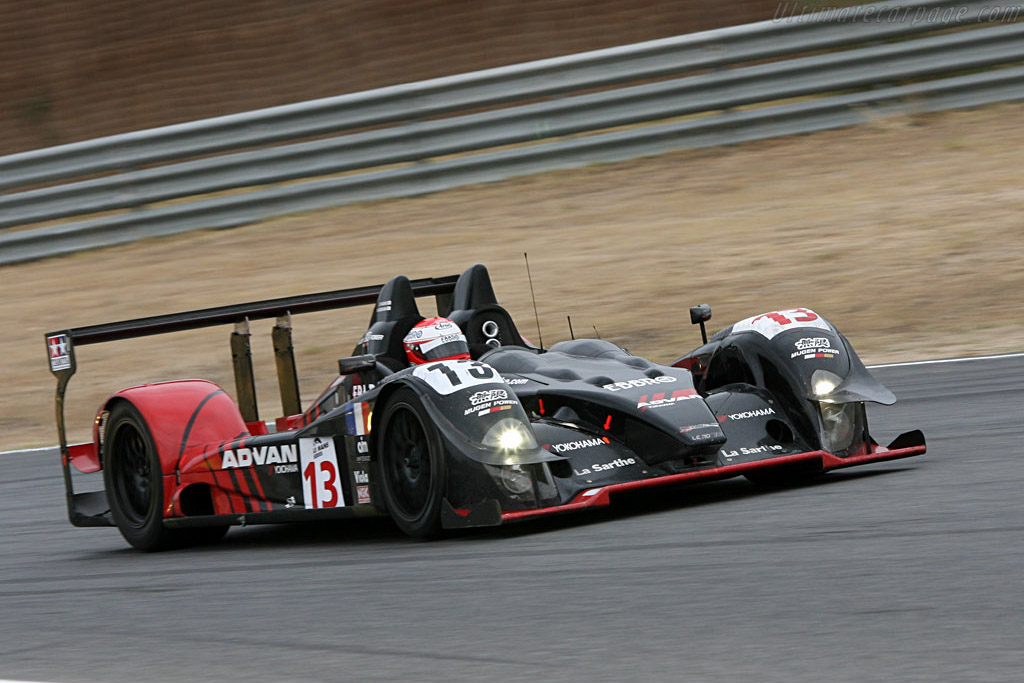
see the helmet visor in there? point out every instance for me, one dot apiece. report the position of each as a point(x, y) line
point(448, 346)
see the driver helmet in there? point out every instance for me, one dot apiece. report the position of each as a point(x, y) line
point(435, 339)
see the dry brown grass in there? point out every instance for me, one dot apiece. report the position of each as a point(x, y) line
point(906, 233)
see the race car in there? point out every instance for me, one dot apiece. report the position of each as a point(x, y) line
point(507, 432)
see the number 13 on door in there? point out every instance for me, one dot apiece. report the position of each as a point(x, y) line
point(321, 480)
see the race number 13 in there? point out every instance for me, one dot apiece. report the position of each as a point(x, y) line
point(321, 476)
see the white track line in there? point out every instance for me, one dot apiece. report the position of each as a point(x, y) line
point(870, 367)
point(22, 451)
point(946, 360)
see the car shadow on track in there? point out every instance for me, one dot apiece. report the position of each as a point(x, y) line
point(681, 498)
point(376, 531)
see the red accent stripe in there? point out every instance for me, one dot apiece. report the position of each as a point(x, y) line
point(607, 424)
point(216, 483)
point(540, 403)
point(879, 454)
point(241, 488)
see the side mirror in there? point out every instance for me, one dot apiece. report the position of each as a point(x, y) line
point(700, 315)
point(347, 366)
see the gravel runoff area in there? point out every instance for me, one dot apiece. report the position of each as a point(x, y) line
point(907, 233)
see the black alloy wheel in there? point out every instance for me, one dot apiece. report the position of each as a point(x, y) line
point(411, 466)
point(133, 478)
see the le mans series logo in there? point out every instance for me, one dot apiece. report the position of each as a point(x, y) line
point(60, 352)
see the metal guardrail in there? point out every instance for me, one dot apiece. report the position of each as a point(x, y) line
point(718, 92)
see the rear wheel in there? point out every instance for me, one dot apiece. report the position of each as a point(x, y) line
point(410, 465)
point(133, 478)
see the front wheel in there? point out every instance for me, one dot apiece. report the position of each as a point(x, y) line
point(133, 477)
point(410, 465)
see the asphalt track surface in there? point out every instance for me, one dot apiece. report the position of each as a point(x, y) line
point(908, 571)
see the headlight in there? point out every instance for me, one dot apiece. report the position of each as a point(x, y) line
point(531, 484)
point(511, 438)
point(509, 434)
point(824, 383)
point(839, 422)
point(516, 479)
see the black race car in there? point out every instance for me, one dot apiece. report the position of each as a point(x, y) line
point(511, 433)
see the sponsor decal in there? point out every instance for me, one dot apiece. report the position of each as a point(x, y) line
point(290, 503)
point(360, 389)
point(384, 306)
point(808, 343)
point(361, 477)
point(357, 419)
point(706, 436)
point(814, 347)
point(258, 455)
point(752, 451)
point(283, 469)
point(771, 324)
point(371, 337)
point(604, 467)
point(746, 415)
point(661, 400)
point(576, 445)
point(363, 494)
point(641, 382)
point(491, 407)
point(514, 381)
point(432, 344)
point(488, 395)
point(693, 428)
point(60, 355)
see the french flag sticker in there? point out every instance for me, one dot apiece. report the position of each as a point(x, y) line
point(357, 419)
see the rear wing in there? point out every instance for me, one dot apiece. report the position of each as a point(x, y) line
point(61, 344)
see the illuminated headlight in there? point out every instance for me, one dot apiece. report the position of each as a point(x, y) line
point(509, 435)
point(511, 438)
point(824, 383)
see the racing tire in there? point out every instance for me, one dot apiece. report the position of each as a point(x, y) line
point(133, 477)
point(410, 466)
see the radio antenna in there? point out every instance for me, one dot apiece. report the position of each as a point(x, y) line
point(596, 333)
point(540, 337)
point(571, 335)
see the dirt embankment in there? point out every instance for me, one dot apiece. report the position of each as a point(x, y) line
point(908, 234)
point(74, 71)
